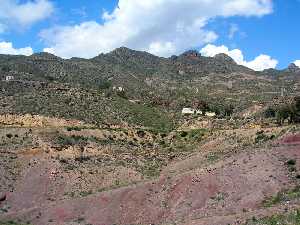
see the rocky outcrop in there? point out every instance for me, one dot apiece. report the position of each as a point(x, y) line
point(292, 68)
point(36, 121)
point(224, 58)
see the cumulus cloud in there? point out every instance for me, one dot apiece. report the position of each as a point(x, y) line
point(12, 12)
point(260, 63)
point(297, 63)
point(162, 27)
point(8, 49)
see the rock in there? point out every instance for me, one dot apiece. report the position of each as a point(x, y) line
point(191, 53)
point(293, 68)
point(2, 197)
point(224, 58)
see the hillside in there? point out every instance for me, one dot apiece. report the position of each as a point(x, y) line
point(103, 141)
point(158, 85)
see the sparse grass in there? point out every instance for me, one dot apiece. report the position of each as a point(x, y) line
point(212, 157)
point(151, 169)
point(74, 128)
point(117, 184)
point(191, 135)
point(283, 196)
point(291, 164)
point(12, 223)
point(262, 137)
point(291, 218)
point(219, 197)
point(85, 193)
point(65, 140)
point(144, 115)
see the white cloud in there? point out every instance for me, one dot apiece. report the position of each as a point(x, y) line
point(16, 14)
point(260, 63)
point(8, 49)
point(162, 27)
point(297, 63)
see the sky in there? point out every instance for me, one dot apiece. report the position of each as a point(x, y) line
point(259, 34)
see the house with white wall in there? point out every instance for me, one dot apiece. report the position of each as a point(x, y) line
point(9, 78)
point(191, 111)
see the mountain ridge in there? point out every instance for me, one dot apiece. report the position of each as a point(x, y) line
point(129, 53)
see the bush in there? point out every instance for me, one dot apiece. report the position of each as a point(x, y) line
point(290, 112)
point(105, 85)
point(270, 113)
point(183, 134)
point(66, 141)
point(9, 136)
point(283, 113)
point(73, 128)
point(291, 162)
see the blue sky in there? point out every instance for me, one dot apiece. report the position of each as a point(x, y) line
point(244, 29)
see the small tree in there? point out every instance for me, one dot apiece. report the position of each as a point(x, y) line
point(105, 85)
point(282, 114)
point(270, 113)
point(228, 110)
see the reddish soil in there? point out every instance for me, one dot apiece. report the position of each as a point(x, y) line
point(229, 191)
point(293, 139)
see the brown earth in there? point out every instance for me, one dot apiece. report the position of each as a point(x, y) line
point(196, 190)
point(36, 121)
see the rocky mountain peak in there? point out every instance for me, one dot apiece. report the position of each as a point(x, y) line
point(44, 56)
point(191, 54)
point(122, 51)
point(293, 68)
point(224, 58)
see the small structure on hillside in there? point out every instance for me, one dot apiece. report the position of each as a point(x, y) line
point(187, 111)
point(118, 89)
point(134, 101)
point(210, 114)
point(190, 111)
point(9, 78)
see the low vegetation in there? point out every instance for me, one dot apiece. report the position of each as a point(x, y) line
point(289, 112)
point(13, 223)
point(291, 218)
point(283, 196)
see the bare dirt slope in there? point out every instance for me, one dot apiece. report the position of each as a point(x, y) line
point(228, 190)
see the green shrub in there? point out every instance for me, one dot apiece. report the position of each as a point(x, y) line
point(12, 223)
point(270, 113)
point(291, 218)
point(283, 196)
point(9, 136)
point(74, 128)
point(291, 162)
point(65, 141)
point(105, 85)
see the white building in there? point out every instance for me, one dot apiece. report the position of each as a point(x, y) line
point(191, 111)
point(188, 111)
point(210, 114)
point(198, 112)
point(119, 89)
point(9, 78)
